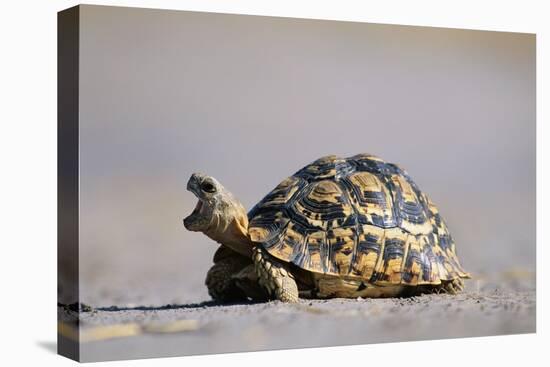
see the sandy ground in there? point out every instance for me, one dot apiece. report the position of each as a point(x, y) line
point(501, 304)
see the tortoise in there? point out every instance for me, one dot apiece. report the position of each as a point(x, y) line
point(339, 227)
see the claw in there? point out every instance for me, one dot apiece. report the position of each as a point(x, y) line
point(451, 289)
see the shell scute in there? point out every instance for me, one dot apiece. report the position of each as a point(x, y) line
point(371, 199)
point(322, 205)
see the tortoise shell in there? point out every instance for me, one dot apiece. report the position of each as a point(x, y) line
point(357, 217)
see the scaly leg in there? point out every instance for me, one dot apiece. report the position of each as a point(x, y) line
point(247, 281)
point(454, 286)
point(272, 275)
point(219, 279)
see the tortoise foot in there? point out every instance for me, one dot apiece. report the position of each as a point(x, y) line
point(220, 283)
point(278, 282)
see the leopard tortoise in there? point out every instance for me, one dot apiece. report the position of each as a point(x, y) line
point(339, 227)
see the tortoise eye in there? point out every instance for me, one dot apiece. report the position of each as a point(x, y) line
point(208, 187)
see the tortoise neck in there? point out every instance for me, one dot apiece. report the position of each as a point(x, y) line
point(231, 230)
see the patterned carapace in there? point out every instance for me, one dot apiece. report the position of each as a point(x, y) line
point(357, 217)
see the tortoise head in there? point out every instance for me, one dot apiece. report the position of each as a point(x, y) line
point(218, 214)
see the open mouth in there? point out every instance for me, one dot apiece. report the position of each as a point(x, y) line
point(197, 209)
point(194, 220)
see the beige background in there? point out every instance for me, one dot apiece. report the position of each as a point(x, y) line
point(250, 100)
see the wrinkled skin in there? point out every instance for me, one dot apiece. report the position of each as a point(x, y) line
point(218, 214)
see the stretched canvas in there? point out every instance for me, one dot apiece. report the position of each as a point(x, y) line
point(242, 183)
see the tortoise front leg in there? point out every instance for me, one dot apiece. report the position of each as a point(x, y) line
point(247, 281)
point(272, 275)
point(219, 279)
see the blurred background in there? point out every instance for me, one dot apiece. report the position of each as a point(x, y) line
point(250, 100)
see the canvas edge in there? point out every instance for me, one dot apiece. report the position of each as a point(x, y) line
point(68, 299)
